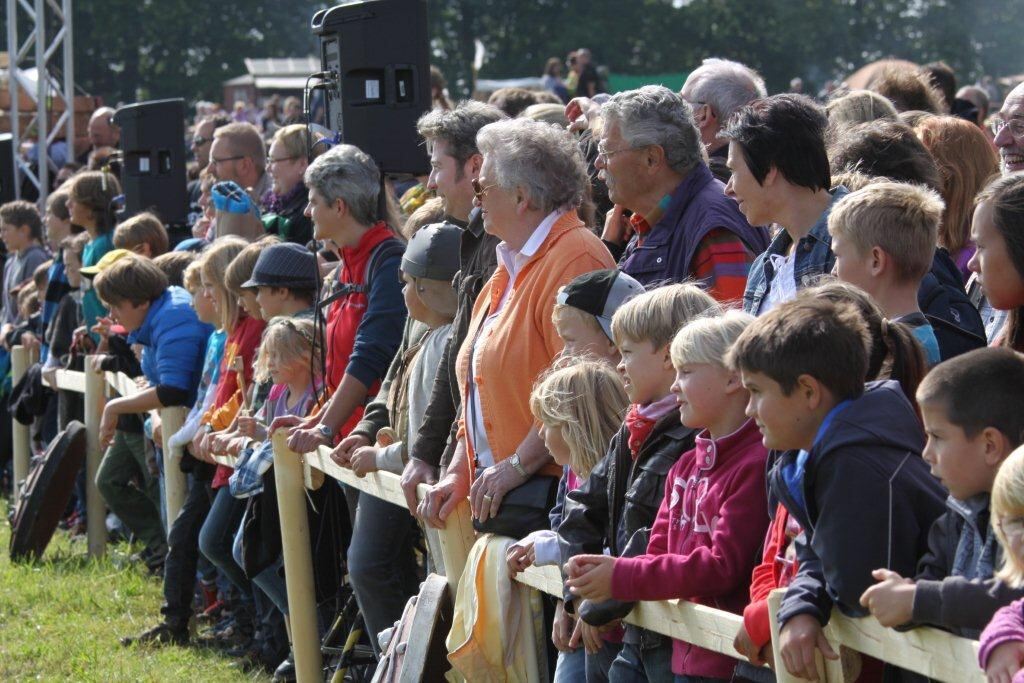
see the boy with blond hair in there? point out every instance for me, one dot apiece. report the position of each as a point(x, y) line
point(883, 238)
point(617, 504)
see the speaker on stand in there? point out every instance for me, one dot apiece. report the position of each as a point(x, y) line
point(153, 161)
point(377, 60)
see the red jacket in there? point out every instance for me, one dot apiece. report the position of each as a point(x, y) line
point(775, 571)
point(705, 540)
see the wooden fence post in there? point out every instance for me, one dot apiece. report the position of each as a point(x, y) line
point(21, 442)
point(96, 509)
point(781, 674)
point(456, 540)
point(298, 560)
point(175, 483)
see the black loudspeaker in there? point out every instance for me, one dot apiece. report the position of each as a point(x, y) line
point(379, 55)
point(6, 168)
point(153, 166)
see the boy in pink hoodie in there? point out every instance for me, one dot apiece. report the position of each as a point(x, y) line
point(705, 540)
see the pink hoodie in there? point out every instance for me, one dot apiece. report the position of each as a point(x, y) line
point(704, 543)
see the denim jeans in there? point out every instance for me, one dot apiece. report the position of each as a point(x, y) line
point(270, 580)
point(571, 666)
point(381, 564)
point(636, 664)
point(123, 465)
point(218, 535)
point(599, 664)
point(183, 553)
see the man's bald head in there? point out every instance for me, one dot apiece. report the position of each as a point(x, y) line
point(102, 131)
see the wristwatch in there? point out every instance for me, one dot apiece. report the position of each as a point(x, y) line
point(517, 465)
point(325, 432)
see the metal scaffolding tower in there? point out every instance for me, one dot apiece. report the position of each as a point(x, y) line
point(55, 78)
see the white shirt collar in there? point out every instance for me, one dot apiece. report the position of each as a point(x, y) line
point(514, 260)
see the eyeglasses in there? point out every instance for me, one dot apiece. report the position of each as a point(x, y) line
point(225, 159)
point(199, 141)
point(480, 191)
point(1016, 126)
point(605, 154)
point(1011, 526)
point(280, 160)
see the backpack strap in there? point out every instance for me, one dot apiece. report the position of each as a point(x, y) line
point(382, 252)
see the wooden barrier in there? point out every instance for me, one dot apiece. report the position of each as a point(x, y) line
point(96, 508)
point(298, 558)
point(931, 652)
point(175, 481)
point(21, 441)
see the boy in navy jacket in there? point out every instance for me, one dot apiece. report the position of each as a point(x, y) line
point(850, 472)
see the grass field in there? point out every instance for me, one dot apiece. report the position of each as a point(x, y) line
point(61, 619)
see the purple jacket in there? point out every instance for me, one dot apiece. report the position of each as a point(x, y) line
point(698, 206)
point(1006, 626)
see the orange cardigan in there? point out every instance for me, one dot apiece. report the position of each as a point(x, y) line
point(522, 342)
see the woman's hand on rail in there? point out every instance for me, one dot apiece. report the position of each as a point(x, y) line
point(416, 472)
point(590, 576)
point(442, 499)
point(489, 489)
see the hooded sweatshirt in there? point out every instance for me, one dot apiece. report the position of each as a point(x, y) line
point(705, 539)
point(868, 501)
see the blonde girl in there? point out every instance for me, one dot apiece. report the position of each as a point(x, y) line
point(1002, 641)
point(580, 405)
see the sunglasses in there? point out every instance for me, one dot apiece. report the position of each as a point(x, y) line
point(479, 191)
point(199, 141)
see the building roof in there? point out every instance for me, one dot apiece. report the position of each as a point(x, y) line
point(276, 73)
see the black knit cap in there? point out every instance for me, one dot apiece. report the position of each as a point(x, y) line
point(285, 265)
point(433, 252)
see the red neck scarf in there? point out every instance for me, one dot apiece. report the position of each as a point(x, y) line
point(640, 421)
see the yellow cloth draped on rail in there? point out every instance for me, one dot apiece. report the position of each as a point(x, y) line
point(498, 629)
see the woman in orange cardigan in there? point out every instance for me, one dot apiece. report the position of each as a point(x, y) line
point(532, 181)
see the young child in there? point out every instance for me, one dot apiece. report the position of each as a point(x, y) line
point(144, 234)
point(615, 507)
point(162, 321)
point(999, 259)
point(883, 238)
point(286, 279)
point(713, 513)
point(584, 309)
point(579, 404)
point(845, 449)
point(21, 229)
point(91, 205)
point(895, 354)
point(183, 533)
point(970, 433)
point(284, 360)
point(1002, 641)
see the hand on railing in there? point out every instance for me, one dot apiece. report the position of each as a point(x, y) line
point(96, 361)
point(590, 576)
point(891, 600)
point(441, 499)
point(746, 647)
point(1004, 662)
point(342, 455)
point(364, 460)
point(303, 437)
point(50, 377)
point(249, 426)
point(416, 472)
point(799, 640)
point(489, 489)
point(29, 341)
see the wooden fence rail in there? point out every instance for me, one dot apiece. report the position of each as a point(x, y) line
point(927, 651)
